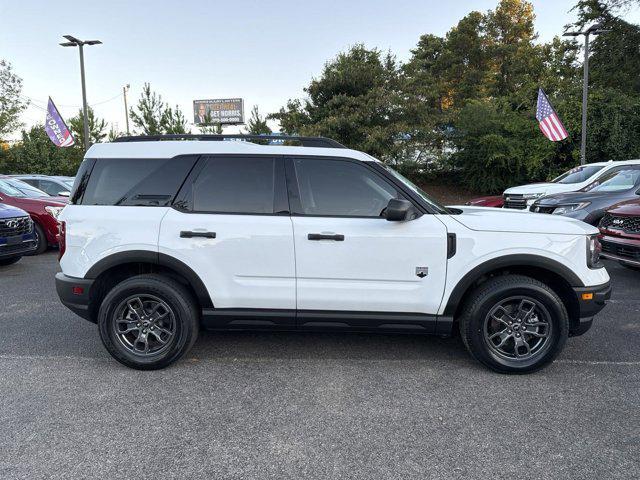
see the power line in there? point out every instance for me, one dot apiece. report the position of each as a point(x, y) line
point(39, 103)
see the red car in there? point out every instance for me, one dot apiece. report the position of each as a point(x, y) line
point(496, 201)
point(43, 209)
point(620, 234)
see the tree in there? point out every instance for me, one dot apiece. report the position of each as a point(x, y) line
point(97, 128)
point(149, 113)
point(257, 124)
point(35, 153)
point(209, 127)
point(153, 117)
point(356, 101)
point(11, 102)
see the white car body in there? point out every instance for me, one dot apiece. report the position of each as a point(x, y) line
point(267, 262)
point(531, 192)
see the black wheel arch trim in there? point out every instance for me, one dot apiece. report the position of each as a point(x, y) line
point(516, 260)
point(156, 258)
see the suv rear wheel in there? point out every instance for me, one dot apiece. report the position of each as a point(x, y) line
point(148, 322)
point(514, 324)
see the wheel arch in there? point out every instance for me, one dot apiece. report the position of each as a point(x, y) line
point(551, 272)
point(116, 267)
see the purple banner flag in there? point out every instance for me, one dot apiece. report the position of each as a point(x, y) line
point(56, 128)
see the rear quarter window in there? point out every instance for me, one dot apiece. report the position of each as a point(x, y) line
point(132, 182)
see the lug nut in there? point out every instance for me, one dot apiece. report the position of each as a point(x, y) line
point(517, 334)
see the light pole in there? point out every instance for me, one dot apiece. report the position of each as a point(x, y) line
point(592, 30)
point(74, 42)
point(125, 89)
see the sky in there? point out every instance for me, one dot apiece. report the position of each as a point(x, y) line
point(262, 51)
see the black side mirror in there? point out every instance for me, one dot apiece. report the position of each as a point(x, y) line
point(399, 210)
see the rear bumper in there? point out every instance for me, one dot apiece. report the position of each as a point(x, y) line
point(74, 293)
point(591, 300)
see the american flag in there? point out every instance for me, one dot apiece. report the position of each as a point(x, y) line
point(550, 123)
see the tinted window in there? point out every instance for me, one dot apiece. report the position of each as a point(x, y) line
point(341, 188)
point(50, 187)
point(234, 185)
point(26, 189)
point(578, 174)
point(139, 181)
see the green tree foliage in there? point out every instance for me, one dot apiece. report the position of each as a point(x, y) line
point(35, 153)
point(466, 101)
point(97, 128)
point(11, 103)
point(153, 117)
point(355, 101)
point(257, 123)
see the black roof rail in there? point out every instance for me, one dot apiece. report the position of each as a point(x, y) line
point(321, 142)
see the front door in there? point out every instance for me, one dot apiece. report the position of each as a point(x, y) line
point(349, 258)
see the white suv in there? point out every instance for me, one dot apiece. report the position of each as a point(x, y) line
point(162, 237)
point(523, 196)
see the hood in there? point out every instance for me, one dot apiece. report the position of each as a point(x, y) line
point(630, 208)
point(8, 211)
point(487, 219)
point(572, 197)
point(544, 188)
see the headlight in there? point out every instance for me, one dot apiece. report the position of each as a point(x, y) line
point(53, 211)
point(564, 209)
point(593, 251)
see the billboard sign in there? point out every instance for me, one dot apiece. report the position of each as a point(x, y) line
point(227, 111)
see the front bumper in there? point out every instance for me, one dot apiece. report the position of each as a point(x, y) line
point(17, 249)
point(74, 294)
point(626, 250)
point(591, 300)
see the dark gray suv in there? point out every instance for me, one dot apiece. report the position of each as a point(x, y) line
point(589, 204)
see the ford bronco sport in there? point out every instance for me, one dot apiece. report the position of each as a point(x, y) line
point(166, 234)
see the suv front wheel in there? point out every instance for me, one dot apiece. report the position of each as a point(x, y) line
point(148, 321)
point(514, 324)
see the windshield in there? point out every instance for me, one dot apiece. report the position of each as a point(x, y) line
point(616, 180)
point(68, 183)
point(578, 174)
point(7, 189)
point(413, 187)
point(26, 189)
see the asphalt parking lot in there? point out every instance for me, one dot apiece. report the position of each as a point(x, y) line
point(258, 405)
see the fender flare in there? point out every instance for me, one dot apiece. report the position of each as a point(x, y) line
point(516, 260)
point(155, 258)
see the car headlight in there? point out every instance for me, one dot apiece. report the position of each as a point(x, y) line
point(593, 251)
point(564, 209)
point(53, 211)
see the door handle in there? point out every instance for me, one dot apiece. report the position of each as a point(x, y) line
point(191, 234)
point(322, 236)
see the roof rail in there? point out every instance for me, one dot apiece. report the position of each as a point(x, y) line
point(321, 142)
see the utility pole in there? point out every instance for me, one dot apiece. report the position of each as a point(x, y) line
point(125, 89)
point(592, 30)
point(74, 42)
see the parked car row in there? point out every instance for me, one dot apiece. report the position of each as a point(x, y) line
point(604, 194)
point(20, 198)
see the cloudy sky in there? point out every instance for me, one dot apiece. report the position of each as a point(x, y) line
point(264, 52)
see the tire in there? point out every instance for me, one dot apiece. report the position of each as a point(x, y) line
point(538, 319)
point(180, 317)
point(41, 240)
point(9, 261)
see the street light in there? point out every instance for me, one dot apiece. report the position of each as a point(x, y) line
point(594, 29)
point(74, 42)
point(125, 89)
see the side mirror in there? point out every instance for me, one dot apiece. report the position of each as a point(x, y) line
point(63, 194)
point(399, 210)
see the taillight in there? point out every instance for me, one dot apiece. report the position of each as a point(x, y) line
point(62, 238)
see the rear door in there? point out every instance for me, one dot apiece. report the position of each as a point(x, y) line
point(349, 258)
point(231, 225)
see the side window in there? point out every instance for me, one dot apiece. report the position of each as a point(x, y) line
point(50, 187)
point(341, 188)
point(138, 181)
point(234, 185)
